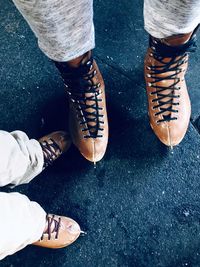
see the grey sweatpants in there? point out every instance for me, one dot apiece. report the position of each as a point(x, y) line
point(65, 30)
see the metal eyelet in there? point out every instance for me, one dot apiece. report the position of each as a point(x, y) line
point(149, 84)
point(148, 75)
point(148, 68)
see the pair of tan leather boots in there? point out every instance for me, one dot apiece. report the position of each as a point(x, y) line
point(165, 66)
point(169, 104)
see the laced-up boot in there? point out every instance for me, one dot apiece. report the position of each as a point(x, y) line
point(53, 146)
point(59, 232)
point(88, 123)
point(168, 100)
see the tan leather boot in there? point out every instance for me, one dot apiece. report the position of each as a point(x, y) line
point(54, 145)
point(59, 232)
point(168, 100)
point(88, 121)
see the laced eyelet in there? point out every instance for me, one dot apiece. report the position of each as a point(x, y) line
point(148, 68)
point(148, 75)
point(149, 84)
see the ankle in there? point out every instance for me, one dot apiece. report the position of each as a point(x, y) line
point(176, 40)
point(75, 63)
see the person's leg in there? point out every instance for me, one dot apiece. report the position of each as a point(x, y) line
point(166, 18)
point(65, 33)
point(24, 222)
point(171, 26)
point(64, 28)
point(21, 158)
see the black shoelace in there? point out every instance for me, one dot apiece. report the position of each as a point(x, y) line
point(49, 231)
point(177, 58)
point(50, 151)
point(85, 93)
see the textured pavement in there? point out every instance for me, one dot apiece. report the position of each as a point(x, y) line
point(141, 205)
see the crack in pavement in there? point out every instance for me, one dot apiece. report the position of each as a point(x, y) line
point(118, 70)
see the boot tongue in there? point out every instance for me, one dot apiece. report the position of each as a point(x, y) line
point(177, 40)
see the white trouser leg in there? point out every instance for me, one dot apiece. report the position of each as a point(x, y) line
point(21, 221)
point(166, 18)
point(21, 159)
point(64, 28)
